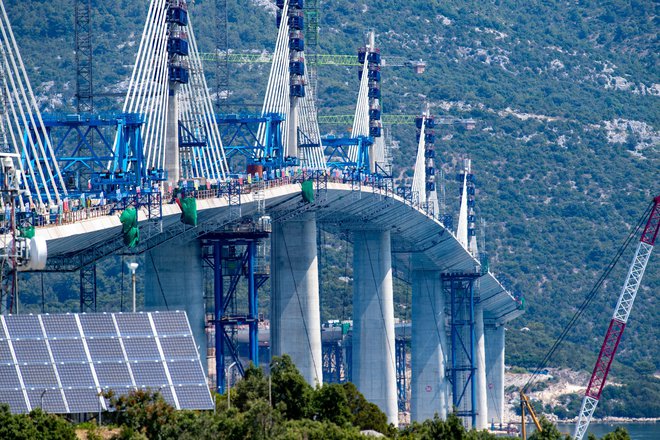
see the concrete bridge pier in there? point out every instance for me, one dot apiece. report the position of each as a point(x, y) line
point(481, 395)
point(174, 281)
point(429, 391)
point(494, 336)
point(373, 355)
point(295, 327)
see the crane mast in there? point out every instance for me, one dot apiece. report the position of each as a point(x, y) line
point(619, 319)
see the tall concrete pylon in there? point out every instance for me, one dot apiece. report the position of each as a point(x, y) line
point(429, 390)
point(295, 315)
point(374, 358)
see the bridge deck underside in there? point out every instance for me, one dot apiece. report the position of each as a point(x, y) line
point(338, 209)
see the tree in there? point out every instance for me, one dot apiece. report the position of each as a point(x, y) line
point(620, 433)
point(34, 426)
point(290, 388)
point(548, 431)
point(254, 386)
point(145, 412)
point(330, 403)
point(365, 415)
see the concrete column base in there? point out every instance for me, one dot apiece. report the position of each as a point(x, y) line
point(481, 396)
point(429, 384)
point(295, 327)
point(495, 336)
point(174, 281)
point(374, 358)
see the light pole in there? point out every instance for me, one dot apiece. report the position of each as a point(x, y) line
point(229, 384)
point(132, 266)
point(43, 393)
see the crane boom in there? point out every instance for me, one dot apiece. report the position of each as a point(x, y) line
point(619, 319)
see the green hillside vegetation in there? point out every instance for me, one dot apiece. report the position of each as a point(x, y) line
point(566, 149)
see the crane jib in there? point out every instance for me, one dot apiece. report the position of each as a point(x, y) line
point(653, 224)
point(618, 323)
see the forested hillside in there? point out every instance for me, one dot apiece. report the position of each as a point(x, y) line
point(566, 149)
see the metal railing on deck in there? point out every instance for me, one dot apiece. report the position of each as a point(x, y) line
point(59, 216)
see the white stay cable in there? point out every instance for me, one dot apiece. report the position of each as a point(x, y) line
point(361, 119)
point(202, 116)
point(138, 66)
point(157, 91)
point(213, 131)
point(31, 103)
point(17, 110)
point(16, 143)
point(276, 99)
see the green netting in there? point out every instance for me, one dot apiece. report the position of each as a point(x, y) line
point(130, 230)
point(308, 191)
point(27, 232)
point(189, 211)
point(132, 237)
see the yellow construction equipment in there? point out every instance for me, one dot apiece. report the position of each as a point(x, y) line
point(525, 403)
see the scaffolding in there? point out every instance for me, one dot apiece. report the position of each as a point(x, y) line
point(459, 287)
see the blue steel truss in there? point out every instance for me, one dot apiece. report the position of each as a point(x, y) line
point(97, 152)
point(233, 258)
point(338, 158)
point(401, 383)
point(240, 140)
point(462, 374)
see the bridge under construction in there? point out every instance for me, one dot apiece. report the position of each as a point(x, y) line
point(187, 189)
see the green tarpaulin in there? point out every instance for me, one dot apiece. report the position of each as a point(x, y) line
point(189, 211)
point(130, 230)
point(308, 191)
point(27, 232)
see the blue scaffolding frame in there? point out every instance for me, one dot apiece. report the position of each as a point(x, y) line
point(240, 140)
point(459, 287)
point(105, 149)
point(230, 266)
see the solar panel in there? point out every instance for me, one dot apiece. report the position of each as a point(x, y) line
point(24, 326)
point(39, 376)
point(5, 353)
point(134, 324)
point(51, 398)
point(68, 350)
point(82, 400)
point(73, 356)
point(31, 351)
point(171, 324)
point(192, 396)
point(15, 399)
point(151, 374)
point(76, 375)
point(113, 374)
point(9, 376)
point(186, 372)
point(105, 349)
point(97, 324)
point(61, 326)
point(176, 347)
point(141, 348)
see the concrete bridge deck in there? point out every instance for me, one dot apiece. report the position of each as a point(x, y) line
point(338, 208)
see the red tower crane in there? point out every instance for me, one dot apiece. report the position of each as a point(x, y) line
point(619, 319)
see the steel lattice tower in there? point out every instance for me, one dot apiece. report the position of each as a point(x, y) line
point(222, 50)
point(83, 31)
point(85, 103)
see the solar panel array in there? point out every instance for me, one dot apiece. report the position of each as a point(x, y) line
point(63, 362)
